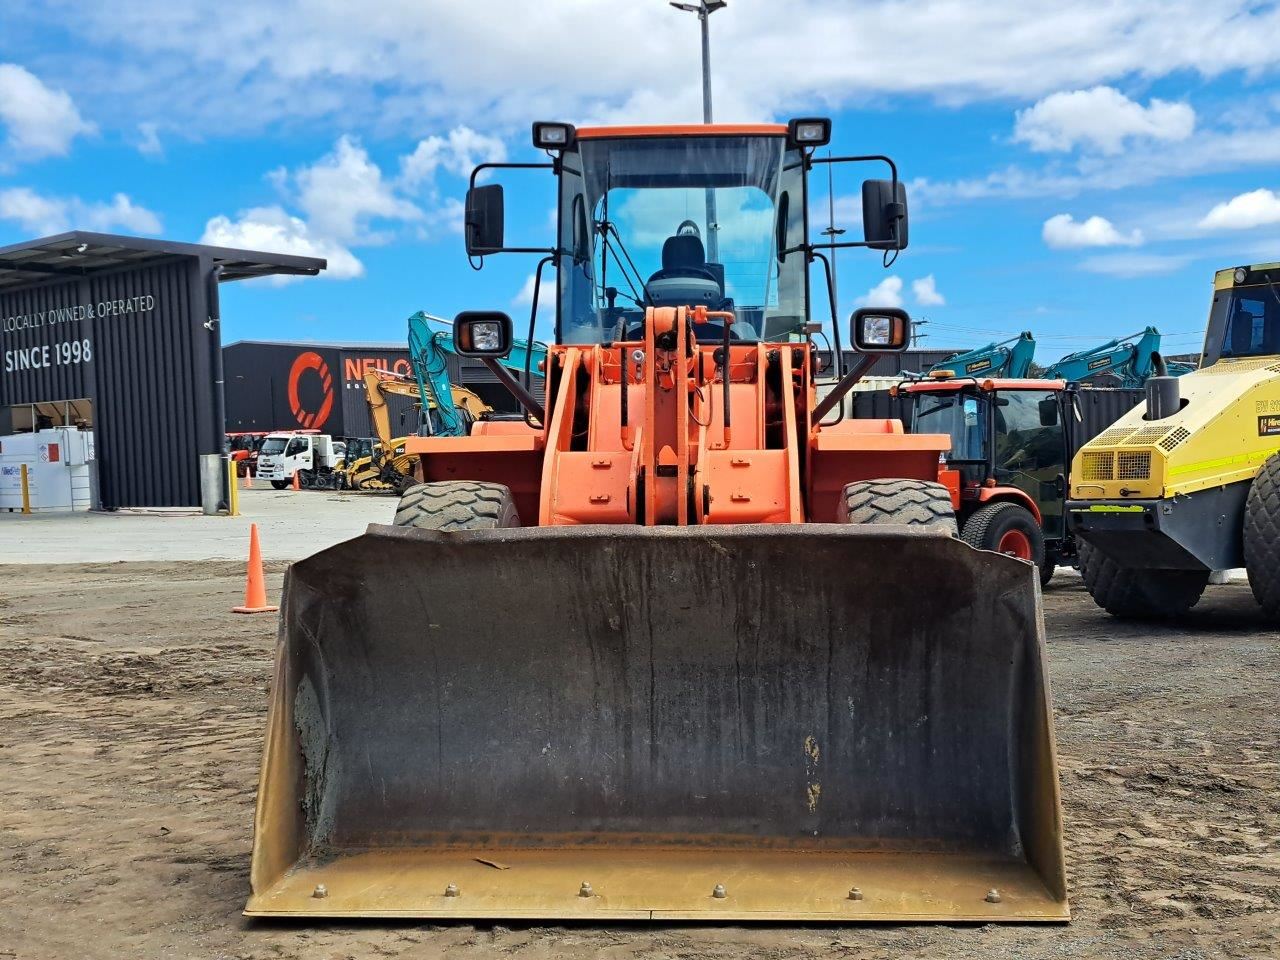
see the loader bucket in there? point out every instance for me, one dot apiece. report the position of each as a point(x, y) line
point(790, 722)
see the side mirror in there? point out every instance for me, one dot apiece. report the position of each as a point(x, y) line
point(1048, 412)
point(482, 334)
point(884, 214)
point(880, 329)
point(483, 226)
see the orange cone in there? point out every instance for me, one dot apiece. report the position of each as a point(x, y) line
point(255, 587)
point(246, 482)
point(296, 484)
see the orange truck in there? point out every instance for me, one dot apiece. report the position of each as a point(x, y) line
point(684, 643)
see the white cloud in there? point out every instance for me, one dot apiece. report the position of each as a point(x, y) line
point(148, 143)
point(41, 214)
point(41, 122)
point(926, 292)
point(1063, 232)
point(273, 230)
point(1254, 209)
point(1129, 265)
point(1102, 119)
point(343, 201)
point(886, 293)
point(458, 153)
point(344, 190)
point(404, 65)
point(546, 296)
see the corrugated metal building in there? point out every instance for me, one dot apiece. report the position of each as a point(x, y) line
point(291, 385)
point(122, 335)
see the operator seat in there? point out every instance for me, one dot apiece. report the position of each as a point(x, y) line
point(684, 256)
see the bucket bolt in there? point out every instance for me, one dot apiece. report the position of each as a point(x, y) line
point(718, 892)
point(320, 892)
point(585, 890)
point(451, 890)
point(855, 893)
point(993, 895)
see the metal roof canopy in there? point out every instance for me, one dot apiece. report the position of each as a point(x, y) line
point(79, 254)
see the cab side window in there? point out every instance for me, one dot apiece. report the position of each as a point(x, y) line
point(297, 445)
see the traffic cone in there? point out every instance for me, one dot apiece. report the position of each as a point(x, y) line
point(255, 587)
point(247, 481)
point(296, 484)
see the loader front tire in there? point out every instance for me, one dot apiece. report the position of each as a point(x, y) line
point(1262, 537)
point(1139, 594)
point(915, 503)
point(455, 505)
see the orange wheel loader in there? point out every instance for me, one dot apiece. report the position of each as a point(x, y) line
point(684, 642)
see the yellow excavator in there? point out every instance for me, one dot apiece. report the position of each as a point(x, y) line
point(389, 468)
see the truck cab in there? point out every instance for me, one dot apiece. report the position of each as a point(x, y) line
point(284, 454)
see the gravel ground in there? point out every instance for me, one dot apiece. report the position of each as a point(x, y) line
point(131, 713)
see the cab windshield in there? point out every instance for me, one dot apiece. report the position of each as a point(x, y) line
point(957, 414)
point(681, 221)
point(1253, 322)
point(273, 445)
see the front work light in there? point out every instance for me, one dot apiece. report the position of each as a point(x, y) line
point(1241, 274)
point(482, 333)
point(553, 136)
point(809, 132)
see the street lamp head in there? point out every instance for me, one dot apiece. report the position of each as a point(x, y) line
point(714, 5)
point(686, 7)
point(702, 9)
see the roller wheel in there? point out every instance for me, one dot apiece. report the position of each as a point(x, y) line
point(1262, 537)
point(1139, 594)
point(457, 505)
point(1007, 528)
point(280, 484)
point(915, 503)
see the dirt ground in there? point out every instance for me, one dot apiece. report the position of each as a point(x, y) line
point(132, 707)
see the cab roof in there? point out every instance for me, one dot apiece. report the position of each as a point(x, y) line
point(684, 130)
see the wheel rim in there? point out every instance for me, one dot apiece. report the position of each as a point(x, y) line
point(1016, 544)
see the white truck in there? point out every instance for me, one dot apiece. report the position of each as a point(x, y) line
point(315, 457)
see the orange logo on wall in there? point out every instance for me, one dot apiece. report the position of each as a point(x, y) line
point(310, 419)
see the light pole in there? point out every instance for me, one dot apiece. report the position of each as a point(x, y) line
point(704, 9)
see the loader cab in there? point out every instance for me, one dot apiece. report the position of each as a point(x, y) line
point(681, 220)
point(711, 216)
point(1244, 320)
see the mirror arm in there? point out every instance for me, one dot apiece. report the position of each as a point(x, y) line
point(516, 388)
point(861, 367)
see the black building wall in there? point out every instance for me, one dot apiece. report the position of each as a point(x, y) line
point(291, 386)
point(134, 342)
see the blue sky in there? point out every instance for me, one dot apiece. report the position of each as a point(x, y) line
point(1076, 169)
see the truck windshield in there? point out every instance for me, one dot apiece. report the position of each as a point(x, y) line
point(956, 414)
point(1253, 322)
point(273, 445)
point(634, 219)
